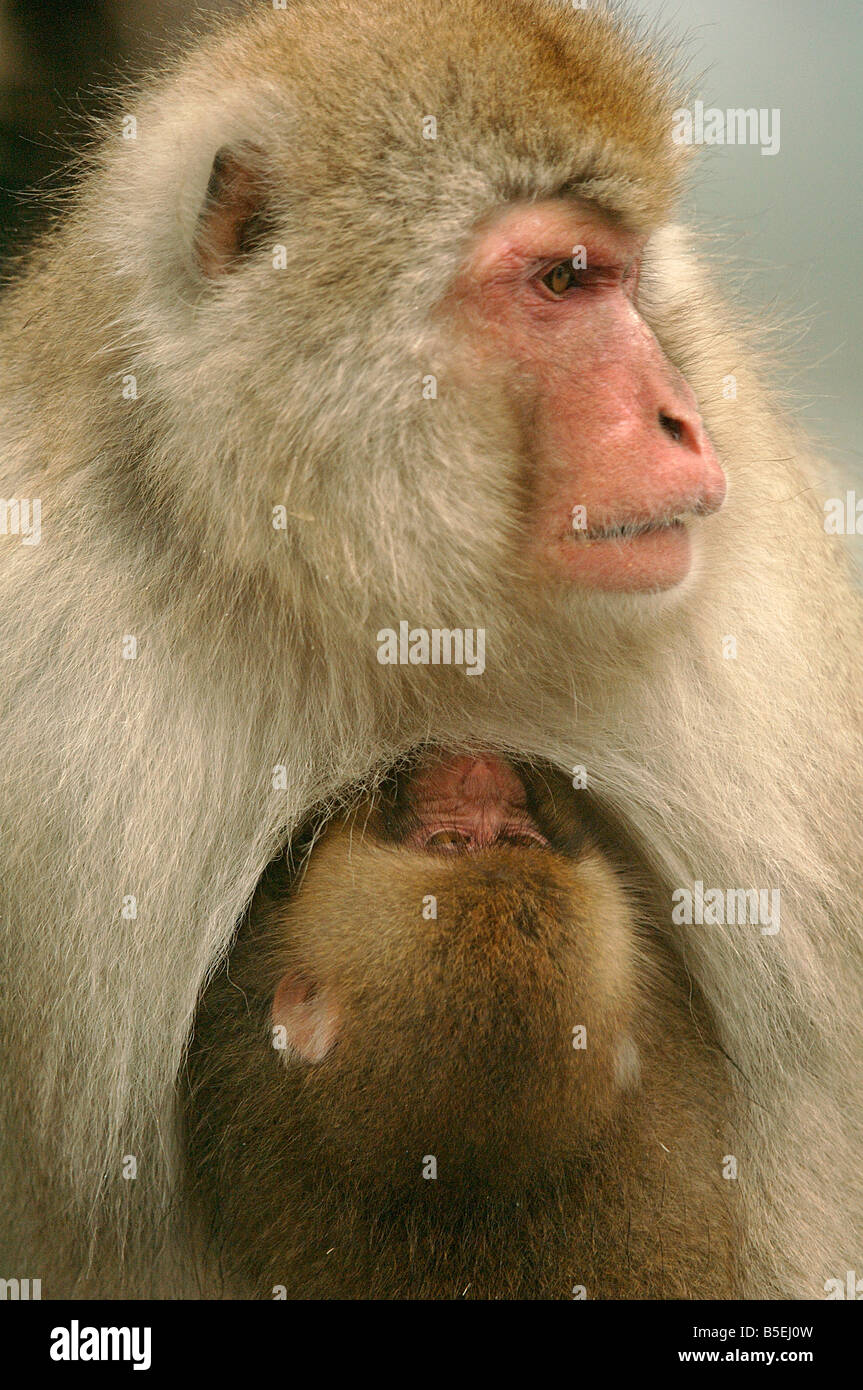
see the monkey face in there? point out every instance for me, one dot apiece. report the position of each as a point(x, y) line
point(457, 954)
point(492, 324)
point(621, 465)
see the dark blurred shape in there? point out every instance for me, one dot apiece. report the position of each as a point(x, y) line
point(56, 53)
point(59, 59)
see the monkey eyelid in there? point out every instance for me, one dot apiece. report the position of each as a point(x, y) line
point(591, 277)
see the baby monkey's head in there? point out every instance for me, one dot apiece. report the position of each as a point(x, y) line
point(450, 1042)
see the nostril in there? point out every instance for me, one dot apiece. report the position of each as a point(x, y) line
point(671, 426)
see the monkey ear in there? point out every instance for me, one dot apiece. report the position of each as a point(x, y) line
point(232, 220)
point(308, 1016)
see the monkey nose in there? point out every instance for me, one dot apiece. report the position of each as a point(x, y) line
point(672, 426)
point(684, 427)
point(681, 426)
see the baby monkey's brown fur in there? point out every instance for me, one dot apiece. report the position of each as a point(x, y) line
point(557, 1168)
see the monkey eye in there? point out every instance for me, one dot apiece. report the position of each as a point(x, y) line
point(522, 841)
point(447, 839)
point(560, 278)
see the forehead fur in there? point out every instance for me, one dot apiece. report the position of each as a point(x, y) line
point(531, 98)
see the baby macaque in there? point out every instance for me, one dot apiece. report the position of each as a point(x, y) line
point(450, 1056)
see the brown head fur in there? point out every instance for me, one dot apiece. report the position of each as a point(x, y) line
point(555, 1166)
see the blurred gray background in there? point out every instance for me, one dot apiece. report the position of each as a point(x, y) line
point(791, 222)
point(788, 225)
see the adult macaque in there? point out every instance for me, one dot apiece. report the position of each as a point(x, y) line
point(370, 315)
point(454, 1063)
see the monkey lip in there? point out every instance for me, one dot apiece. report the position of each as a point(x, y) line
point(627, 557)
point(628, 530)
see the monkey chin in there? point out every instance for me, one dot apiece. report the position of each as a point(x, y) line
point(649, 561)
point(476, 1029)
point(614, 607)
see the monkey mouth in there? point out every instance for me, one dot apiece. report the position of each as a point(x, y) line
point(630, 530)
point(461, 804)
point(634, 554)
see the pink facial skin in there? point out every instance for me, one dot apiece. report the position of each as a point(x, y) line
point(616, 429)
point(468, 803)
